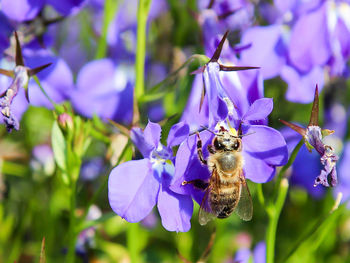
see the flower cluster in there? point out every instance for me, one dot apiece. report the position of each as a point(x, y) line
point(155, 180)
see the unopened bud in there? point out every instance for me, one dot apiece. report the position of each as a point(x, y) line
point(65, 121)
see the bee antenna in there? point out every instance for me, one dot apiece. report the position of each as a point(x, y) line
point(205, 128)
point(242, 135)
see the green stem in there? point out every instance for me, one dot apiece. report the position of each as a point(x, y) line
point(108, 14)
point(289, 164)
point(142, 13)
point(71, 231)
point(132, 242)
point(274, 212)
point(43, 91)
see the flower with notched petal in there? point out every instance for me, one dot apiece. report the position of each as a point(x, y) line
point(136, 186)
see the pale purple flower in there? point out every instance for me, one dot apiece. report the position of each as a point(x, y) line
point(245, 255)
point(23, 10)
point(135, 187)
point(344, 173)
point(105, 89)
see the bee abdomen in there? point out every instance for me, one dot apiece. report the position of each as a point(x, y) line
point(223, 204)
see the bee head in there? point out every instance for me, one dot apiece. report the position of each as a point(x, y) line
point(224, 141)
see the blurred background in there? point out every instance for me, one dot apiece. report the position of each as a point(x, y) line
point(92, 47)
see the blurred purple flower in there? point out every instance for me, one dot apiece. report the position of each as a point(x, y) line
point(43, 159)
point(91, 169)
point(263, 149)
point(259, 254)
point(344, 174)
point(136, 186)
point(23, 10)
point(105, 89)
point(85, 238)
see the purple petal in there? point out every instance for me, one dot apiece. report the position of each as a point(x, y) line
point(259, 252)
point(259, 110)
point(175, 210)
point(256, 169)
point(188, 166)
point(133, 190)
point(301, 87)
point(140, 142)
point(267, 144)
point(267, 50)
point(177, 134)
point(21, 10)
point(152, 134)
point(242, 255)
point(217, 107)
point(191, 114)
point(66, 7)
point(57, 80)
point(344, 174)
point(104, 89)
point(309, 42)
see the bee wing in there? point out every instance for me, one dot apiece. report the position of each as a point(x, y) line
point(205, 214)
point(244, 207)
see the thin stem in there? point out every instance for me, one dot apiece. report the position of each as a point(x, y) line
point(142, 13)
point(43, 91)
point(260, 194)
point(72, 219)
point(274, 214)
point(108, 14)
point(132, 242)
point(289, 163)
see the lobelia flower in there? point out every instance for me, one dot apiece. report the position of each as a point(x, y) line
point(136, 186)
point(263, 148)
point(23, 10)
point(313, 136)
point(215, 96)
point(245, 255)
point(105, 89)
point(20, 75)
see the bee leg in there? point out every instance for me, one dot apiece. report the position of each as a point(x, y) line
point(200, 151)
point(198, 183)
point(211, 149)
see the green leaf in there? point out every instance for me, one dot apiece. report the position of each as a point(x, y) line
point(59, 147)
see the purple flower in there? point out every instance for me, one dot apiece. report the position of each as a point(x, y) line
point(263, 148)
point(22, 10)
point(136, 186)
point(91, 169)
point(216, 102)
point(104, 89)
point(20, 75)
point(259, 254)
point(43, 160)
point(344, 173)
point(306, 166)
point(313, 136)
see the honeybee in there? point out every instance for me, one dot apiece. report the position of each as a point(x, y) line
point(227, 190)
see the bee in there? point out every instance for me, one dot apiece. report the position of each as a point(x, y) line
point(227, 190)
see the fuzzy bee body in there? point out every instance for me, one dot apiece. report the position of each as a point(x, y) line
point(223, 198)
point(226, 190)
